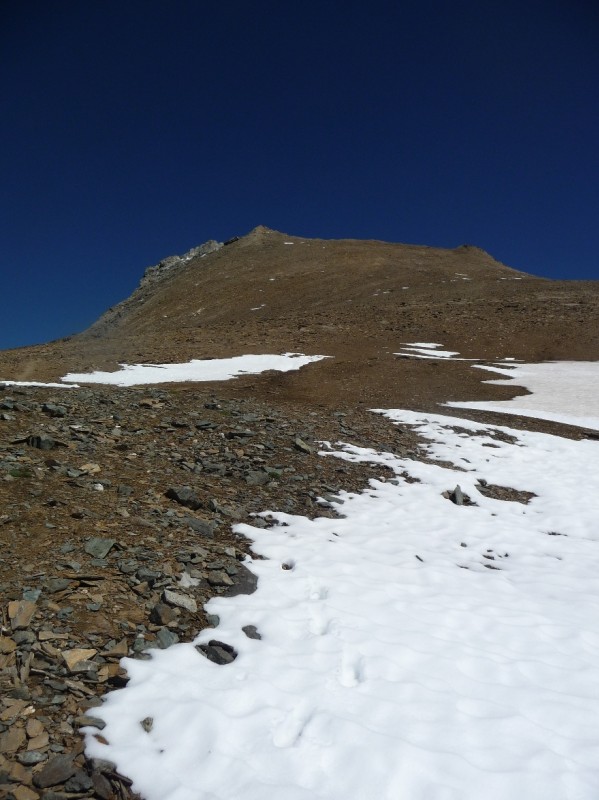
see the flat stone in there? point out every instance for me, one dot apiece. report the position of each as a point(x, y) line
point(20, 613)
point(18, 773)
point(54, 585)
point(7, 645)
point(102, 787)
point(38, 742)
point(98, 547)
point(74, 657)
point(24, 793)
point(118, 650)
point(56, 771)
point(180, 600)
point(87, 721)
point(34, 727)
point(31, 757)
point(12, 740)
point(14, 708)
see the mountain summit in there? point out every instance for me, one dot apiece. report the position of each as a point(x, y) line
point(357, 301)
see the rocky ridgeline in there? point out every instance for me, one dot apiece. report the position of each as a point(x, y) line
point(116, 514)
point(151, 278)
point(167, 265)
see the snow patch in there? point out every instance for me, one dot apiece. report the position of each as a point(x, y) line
point(562, 391)
point(429, 350)
point(416, 648)
point(216, 369)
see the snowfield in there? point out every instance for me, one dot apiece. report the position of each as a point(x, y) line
point(561, 391)
point(197, 370)
point(414, 649)
point(214, 369)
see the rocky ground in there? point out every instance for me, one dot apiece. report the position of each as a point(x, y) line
point(116, 521)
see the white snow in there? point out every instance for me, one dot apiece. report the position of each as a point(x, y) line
point(38, 383)
point(216, 369)
point(429, 350)
point(562, 391)
point(394, 663)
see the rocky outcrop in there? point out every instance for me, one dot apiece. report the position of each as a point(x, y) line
point(152, 277)
point(168, 265)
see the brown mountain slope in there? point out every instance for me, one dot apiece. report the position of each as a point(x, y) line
point(357, 301)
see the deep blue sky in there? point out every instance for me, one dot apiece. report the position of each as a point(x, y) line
point(135, 129)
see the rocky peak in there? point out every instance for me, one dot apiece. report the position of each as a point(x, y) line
point(167, 265)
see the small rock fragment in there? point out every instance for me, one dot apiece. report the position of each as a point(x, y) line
point(185, 496)
point(56, 771)
point(257, 478)
point(203, 526)
point(41, 442)
point(217, 652)
point(457, 496)
point(102, 786)
point(74, 657)
point(98, 547)
point(180, 600)
point(166, 638)
point(12, 740)
point(302, 446)
point(20, 613)
point(24, 793)
point(251, 632)
point(7, 645)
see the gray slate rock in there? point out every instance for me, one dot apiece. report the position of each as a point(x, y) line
point(56, 771)
point(166, 638)
point(79, 782)
point(185, 496)
point(457, 496)
point(302, 446)
point(162, 614)
point(180, 600)
point(257, 477)
point(41, 442)
point(244, 582)
point(98, 547)
point(203, 526)
point(53, 410)
point(217, 652)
